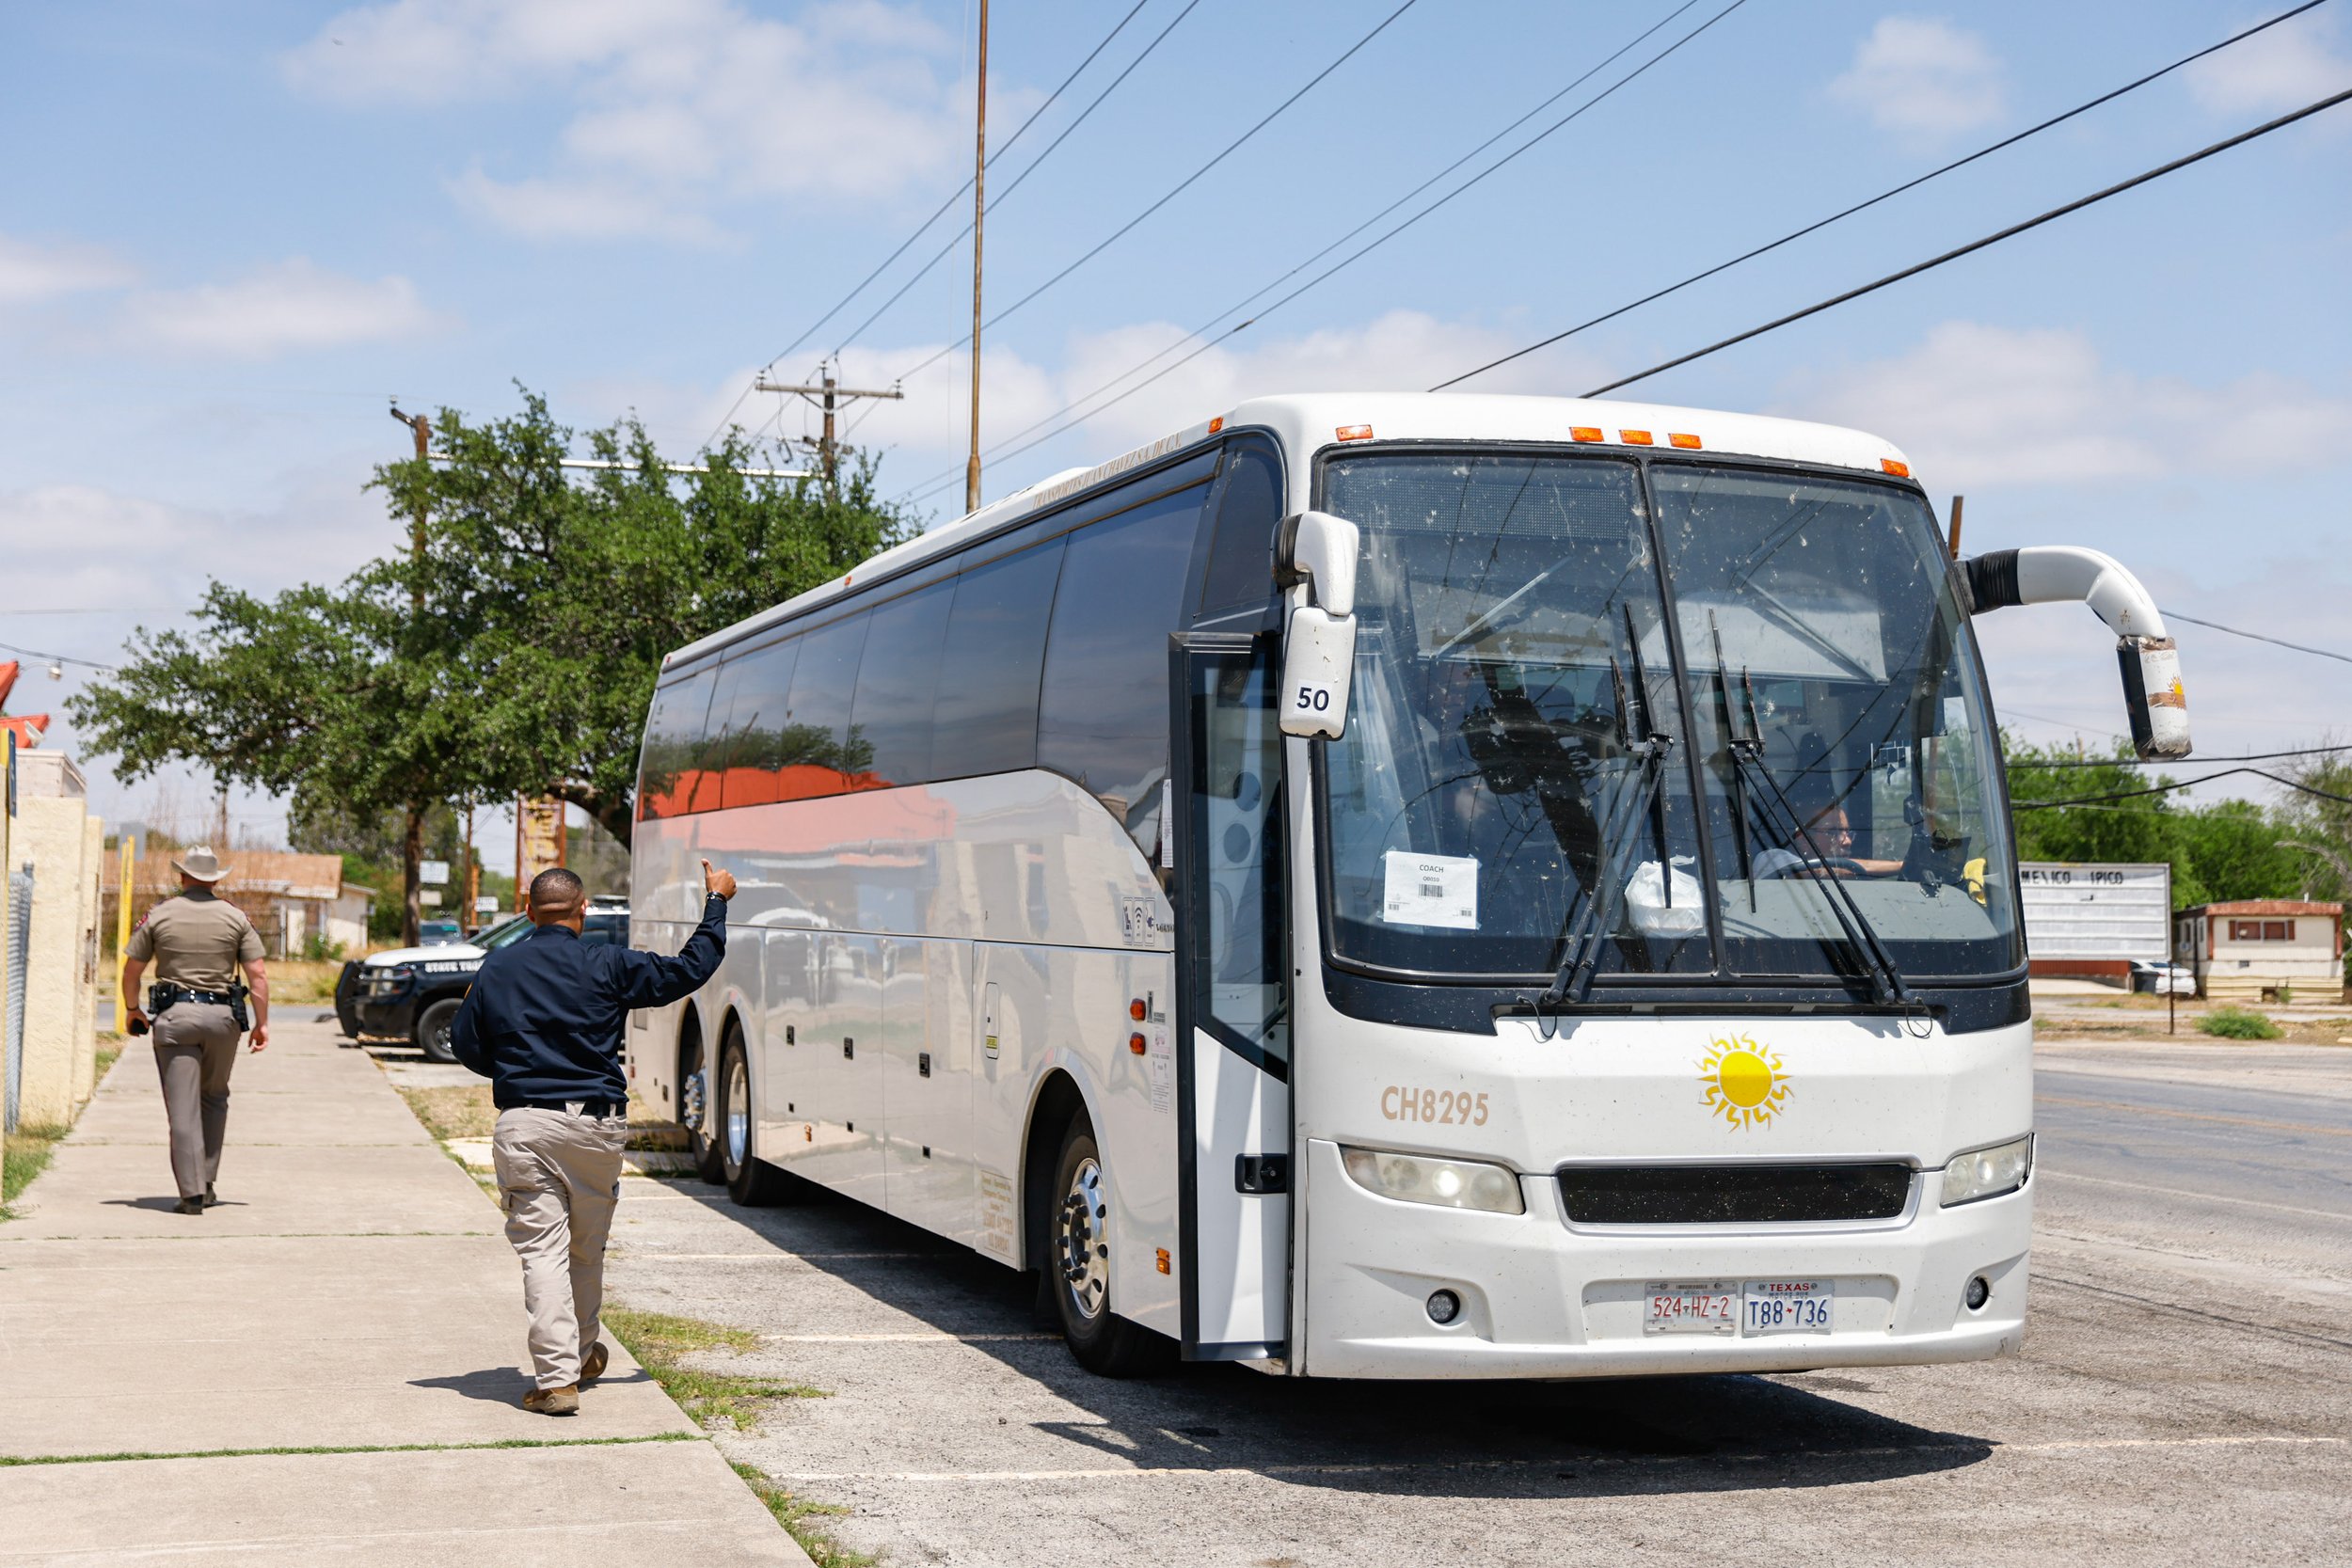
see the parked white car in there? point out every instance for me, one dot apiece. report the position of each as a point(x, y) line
point(2161, 979)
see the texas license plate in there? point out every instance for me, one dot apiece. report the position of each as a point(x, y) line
point(1691, 1307)
point(1786, 1306)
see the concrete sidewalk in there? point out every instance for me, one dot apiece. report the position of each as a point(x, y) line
point(351, 1292)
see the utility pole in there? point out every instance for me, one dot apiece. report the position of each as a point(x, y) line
point(829, 394)
point(422, 424)
point(980, 210)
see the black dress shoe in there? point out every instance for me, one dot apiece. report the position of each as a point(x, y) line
point(212, 1198)
point(188, 1206)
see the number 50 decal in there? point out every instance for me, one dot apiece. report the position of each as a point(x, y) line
point(1312, 697)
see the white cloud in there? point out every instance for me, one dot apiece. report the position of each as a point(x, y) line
point(289, 307)
point(2284, 68)
point(1979, 404)
point(30, 273)
point(1923, 78)
point(672, 109)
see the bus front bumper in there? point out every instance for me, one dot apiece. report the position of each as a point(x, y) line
point(1540, 1298)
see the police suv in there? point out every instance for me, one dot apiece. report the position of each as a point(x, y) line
point(410, 994)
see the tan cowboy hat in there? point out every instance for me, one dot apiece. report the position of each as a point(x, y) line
point(201, 863)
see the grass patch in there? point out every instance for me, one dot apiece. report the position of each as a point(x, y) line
point(300, 982)
point(796, 1514)
point(10, 1459)
point(25, 1156)
point(454, 1109)
point(661, 1341)
point(2239, 1024)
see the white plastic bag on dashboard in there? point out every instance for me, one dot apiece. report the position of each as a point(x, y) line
point(1647, 908)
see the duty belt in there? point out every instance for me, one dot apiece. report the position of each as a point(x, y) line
point(579, 1107)
point(164, 997)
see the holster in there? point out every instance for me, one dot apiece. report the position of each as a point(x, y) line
point(237, 993)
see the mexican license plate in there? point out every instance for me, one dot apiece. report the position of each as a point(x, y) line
point(1786, 1306)
point(1691, 1307)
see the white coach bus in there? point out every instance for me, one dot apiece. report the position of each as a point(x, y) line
point(1393, 886)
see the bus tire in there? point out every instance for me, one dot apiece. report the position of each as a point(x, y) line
point(433, 1030)
point(1077, 1271)
point(697, 1098)
point(750, 1182)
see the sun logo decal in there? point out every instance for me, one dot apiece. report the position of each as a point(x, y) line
point(1746, 1084)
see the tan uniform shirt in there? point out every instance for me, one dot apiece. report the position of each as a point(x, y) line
point(197, 941)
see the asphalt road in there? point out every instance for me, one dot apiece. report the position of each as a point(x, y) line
point(2182, 1397)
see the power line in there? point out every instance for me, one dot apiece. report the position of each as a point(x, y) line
point(810, 330)
point(2258, 636)
point(1178, 189)
point(1884, 195)
point(2168, 788)
point(1247, 300)
point(54, 658)
point(2163, 762)
point(1972, 246)
point(965, 232)
point(927, 486)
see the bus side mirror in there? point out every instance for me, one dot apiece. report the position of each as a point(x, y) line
point(1318, 551)
point(2049, 574)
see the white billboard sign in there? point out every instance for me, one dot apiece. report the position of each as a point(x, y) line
point(430, 898)
point(2093, 910)
point(433, 872)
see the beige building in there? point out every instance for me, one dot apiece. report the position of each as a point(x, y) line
point(2253, 949)
point(289, 897)
point(56, 840)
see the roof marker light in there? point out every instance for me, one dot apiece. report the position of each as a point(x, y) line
point(1636, 437)
point(1895, 467)
point(1689, 442)
point(1355, 433)
point(1583, 432)
point(1216, 424)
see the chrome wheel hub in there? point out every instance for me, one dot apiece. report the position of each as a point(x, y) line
point(692, 1097)
point(1082, 1249)
point(739, 1103)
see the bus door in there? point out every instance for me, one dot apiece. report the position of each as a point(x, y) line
point(1234, 1013)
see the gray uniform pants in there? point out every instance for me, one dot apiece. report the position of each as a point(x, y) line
point(559, 1177)
point(196, 1048)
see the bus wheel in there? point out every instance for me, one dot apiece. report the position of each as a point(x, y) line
point(433, 1030)
point(736, 1132)
point(697, 1109)
point(1077, 1266)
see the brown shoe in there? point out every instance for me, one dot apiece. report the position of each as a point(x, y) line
point(554, 1402)
point(592, 1364)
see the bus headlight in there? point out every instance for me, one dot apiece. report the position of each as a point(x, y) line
point(1988, 1172)
point(1448, 1183)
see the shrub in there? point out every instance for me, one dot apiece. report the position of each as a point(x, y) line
point(316, 948)
point(2239, 1024)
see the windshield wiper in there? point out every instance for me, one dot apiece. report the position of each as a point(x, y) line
point(1594, 912)
point(1761, 788)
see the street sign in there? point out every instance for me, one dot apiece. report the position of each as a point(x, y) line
point(433, 872)
point(2101, 911)
point(486, 904)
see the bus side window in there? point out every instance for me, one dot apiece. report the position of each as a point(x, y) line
point(985, 712)
point(1249, 506)
point(1103, 717)
point(756, 718)
point(820, 755)
point(674, 736)
point(892, 714)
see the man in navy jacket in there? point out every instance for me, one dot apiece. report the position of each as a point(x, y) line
point(543, 1022)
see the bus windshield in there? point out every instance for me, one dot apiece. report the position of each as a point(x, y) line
point(1730, 713)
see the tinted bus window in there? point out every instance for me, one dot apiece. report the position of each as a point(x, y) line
point(892, 715)
point(674, 732)
point(985, 719)
point(1249, 508)
point(1103, 717)
point(821, 755)
point(762, 684)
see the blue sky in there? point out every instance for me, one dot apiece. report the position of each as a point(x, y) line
point(227, 234)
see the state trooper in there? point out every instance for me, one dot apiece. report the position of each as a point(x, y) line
point(198, 1009)
point(543, 1023)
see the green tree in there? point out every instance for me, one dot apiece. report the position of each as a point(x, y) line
point(337, 694)
point(567, 595)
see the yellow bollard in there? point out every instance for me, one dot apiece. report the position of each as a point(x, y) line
point(122, 928)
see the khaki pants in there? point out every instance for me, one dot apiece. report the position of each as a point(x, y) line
point(196, 1048)
point(559, 1177)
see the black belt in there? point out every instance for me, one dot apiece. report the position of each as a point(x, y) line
point(587, 1107)
point(168, 996)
